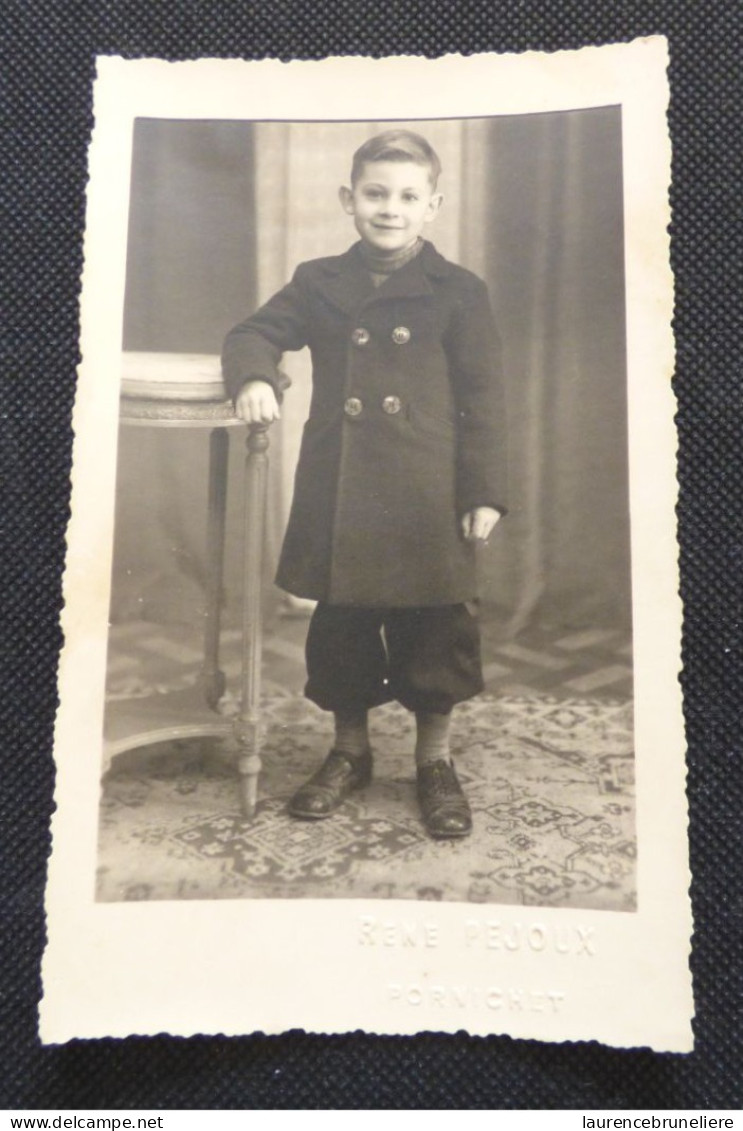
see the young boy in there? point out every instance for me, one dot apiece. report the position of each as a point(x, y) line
point(400, 471)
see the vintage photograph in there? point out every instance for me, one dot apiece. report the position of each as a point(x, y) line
point(426, 322)
point(369, 703)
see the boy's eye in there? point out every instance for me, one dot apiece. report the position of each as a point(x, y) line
point(410, 196)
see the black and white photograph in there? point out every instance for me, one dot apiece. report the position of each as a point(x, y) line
point(385, 598)
point(447, 653)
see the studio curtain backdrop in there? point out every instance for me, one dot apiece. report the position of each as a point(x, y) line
point(222, 212)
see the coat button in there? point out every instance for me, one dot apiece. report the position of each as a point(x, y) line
point(360, 336)
point(391, 405)
point(401, 335)
point(353, 406)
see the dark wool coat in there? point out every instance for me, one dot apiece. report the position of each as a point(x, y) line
point(405, 432)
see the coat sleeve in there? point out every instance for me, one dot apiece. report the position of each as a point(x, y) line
point(474, 350)
point(252, 349)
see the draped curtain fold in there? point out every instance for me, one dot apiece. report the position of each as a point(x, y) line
point(223, 212)
point(191, 262)
point(552, 252)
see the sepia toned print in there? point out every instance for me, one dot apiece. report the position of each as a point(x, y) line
point(569, 844)
point(484, 665)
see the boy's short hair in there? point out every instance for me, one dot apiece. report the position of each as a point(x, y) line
point(396, 145)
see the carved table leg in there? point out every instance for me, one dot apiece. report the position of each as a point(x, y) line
point(248, 726)
point(213, 679)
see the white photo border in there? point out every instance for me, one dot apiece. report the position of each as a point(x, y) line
point(236, 967)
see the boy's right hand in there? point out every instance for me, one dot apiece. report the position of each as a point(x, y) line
point(256, 403)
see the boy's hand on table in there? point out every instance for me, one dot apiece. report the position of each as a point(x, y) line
point(478, 523)
point(256, 403)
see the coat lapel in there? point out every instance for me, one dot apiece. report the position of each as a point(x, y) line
point(345, 282)
point(347, 285)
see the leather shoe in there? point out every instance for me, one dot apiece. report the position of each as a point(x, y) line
point(444, 808)
point(329, 786)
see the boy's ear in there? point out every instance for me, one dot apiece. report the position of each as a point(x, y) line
point(346, 198)
point(434, 205)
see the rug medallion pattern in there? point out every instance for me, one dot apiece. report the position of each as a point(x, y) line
point(549, 780)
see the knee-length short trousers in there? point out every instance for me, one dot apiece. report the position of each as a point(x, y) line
point(426, 658)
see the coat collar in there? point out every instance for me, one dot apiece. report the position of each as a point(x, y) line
point(346, 282)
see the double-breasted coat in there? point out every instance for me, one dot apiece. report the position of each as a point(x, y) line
point(405, 432)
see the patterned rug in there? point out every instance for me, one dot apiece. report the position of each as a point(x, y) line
point(549, 781)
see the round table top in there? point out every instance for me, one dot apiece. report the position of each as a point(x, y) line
point(174, 390)
point(146, 411)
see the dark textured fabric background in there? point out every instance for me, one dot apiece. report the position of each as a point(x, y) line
point(46, 71)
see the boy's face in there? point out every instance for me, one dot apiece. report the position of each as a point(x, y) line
point(391, 203)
